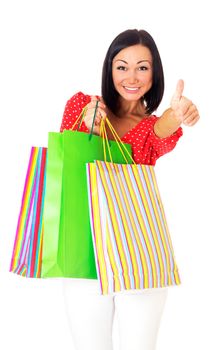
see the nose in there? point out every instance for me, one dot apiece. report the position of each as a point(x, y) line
point(132, 77)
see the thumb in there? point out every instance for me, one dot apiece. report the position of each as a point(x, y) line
point(179, 91)
point(94, 98)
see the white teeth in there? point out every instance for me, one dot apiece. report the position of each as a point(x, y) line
point(131, 89)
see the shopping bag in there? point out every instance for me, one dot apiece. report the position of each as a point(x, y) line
point(131, 240)
point(27, 251)
point(67, 243)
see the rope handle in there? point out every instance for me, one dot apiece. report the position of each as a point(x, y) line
point(119, 141)
point(122, 147)
point(103, 134)
point(79, 119)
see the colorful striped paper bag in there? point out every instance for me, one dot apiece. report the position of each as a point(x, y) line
point(27, 251)
point(132, 244)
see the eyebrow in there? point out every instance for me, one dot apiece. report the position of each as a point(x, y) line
point(137, 62)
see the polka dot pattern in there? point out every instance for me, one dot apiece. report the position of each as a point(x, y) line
point(146, 146)
point(73, 109)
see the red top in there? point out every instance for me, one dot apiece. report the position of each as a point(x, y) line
point(146, 146)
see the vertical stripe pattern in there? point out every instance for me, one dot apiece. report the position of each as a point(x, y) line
point(27, 251)
point(132, 244)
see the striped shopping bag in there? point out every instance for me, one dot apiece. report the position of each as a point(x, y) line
point(27, 251)
point(132, 244)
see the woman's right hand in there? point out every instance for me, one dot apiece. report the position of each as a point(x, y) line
point(100, 113)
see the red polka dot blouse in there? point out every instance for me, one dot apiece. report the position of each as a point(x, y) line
point(146, 146)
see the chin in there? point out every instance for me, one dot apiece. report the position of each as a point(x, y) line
point(130, 97)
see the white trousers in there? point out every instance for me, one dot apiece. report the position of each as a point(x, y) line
point(91, 315)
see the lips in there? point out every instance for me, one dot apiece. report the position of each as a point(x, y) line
point(131, 90)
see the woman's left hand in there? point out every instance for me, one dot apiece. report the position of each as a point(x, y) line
point(184, 109)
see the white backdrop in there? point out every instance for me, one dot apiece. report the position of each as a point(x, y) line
point(50, 50)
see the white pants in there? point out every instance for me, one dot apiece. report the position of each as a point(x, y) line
point(91, 315)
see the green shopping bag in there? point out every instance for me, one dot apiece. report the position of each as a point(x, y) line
point(67, 241)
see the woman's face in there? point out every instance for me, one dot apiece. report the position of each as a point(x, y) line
point(132, 72)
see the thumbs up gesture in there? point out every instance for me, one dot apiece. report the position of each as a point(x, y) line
point(181, 111)
point(184, 110)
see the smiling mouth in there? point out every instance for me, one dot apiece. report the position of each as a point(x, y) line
point(131, 89)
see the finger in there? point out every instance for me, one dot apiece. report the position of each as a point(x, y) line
point(192, 108)
point(93, 104)
point(188, 108)
point(97, 121)
point(191, 119)
point(185, 106)
point(194, 121)
point(101, 112)
point(179, 91)
point(94, 98)
point(101, 105)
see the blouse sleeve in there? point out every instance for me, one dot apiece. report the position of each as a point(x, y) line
point(147, 147)
point(161, 146)
point(72, 111)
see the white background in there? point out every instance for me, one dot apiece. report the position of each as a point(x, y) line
point(50, 50)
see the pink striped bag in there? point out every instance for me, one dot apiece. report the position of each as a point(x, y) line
point(27, 252)
point(131, 240)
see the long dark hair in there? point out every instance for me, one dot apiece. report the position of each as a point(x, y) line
point(125, 39)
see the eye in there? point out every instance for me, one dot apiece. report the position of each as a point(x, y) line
point(144, 68)
point(121, 68)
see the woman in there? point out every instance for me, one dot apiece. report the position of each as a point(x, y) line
point(132, 89)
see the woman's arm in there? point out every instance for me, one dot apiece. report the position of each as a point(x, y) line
point(182, 110)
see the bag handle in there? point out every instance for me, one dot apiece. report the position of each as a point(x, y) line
point(103, 134)
point(123, 149)
point(80, 118)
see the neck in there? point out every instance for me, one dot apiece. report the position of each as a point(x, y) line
point(131, 107)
